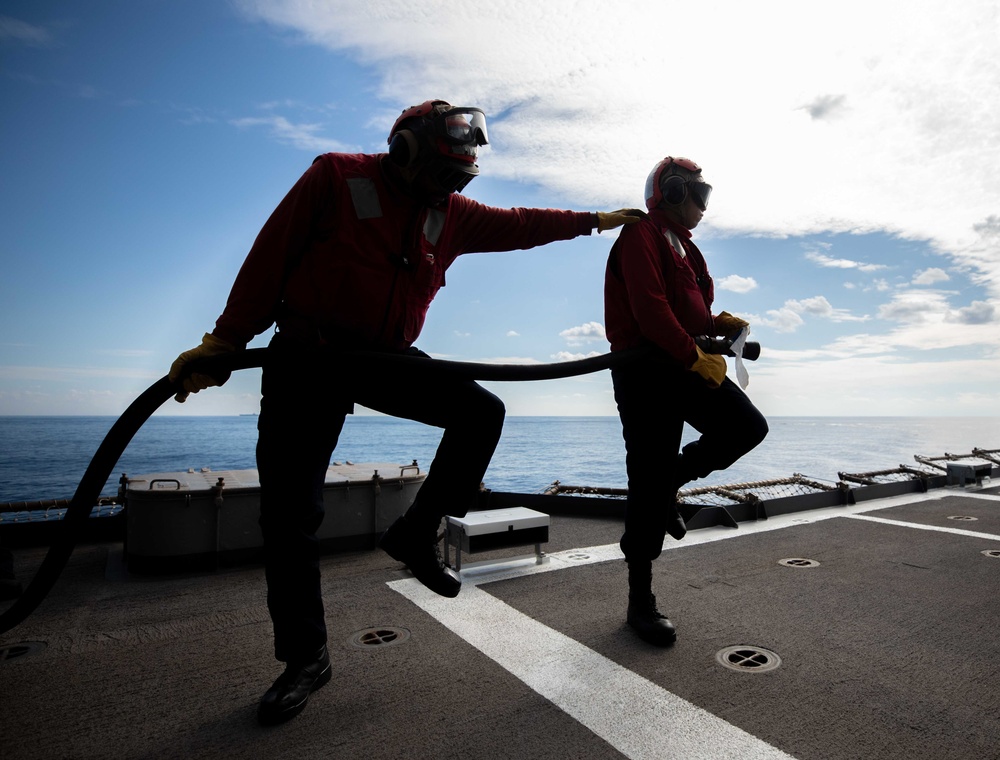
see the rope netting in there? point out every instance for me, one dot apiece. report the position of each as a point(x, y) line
point(796, 485)
point(724, 495)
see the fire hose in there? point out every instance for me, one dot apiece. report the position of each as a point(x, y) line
point(141, 409)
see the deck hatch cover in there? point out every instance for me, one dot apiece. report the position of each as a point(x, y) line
point(798, 562)
point(381, 637)
point(748, 659)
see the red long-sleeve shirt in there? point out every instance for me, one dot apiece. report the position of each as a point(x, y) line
point(348, 257)
point(653, 294)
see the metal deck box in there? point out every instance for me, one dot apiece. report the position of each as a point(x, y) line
point(197, 520)
point(496, 529)
point(966, 472)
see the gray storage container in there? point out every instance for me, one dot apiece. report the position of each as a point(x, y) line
point(196, 520)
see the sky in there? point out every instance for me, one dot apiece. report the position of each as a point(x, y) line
point(853, 149)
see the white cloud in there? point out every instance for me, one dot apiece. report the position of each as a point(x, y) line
point(819, 306)
point(835, 134)
point(585, 333)
point(789, 317)
point(930, 276)
point(977, 313)
point(567, 356)
point(737, 284)
point(303, 136)
point(783, 320)
point(513, 334)
point(915, 306)
point(827, 261)
point(843, 140)
point(871, 384)
point(29, 34)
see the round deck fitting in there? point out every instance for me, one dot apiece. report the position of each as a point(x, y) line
point(748, 659)
point(798, 562)
point(382, 636)
point(967, 518)
point(993, 553)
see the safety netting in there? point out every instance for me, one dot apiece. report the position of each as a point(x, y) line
point(796, 485)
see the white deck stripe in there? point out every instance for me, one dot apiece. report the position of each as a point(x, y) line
point(638, 718)
point(918, 526)
point(986, 496)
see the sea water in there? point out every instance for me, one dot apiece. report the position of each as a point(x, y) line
point(45, 457)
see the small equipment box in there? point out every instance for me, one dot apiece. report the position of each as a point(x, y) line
point(496, 529)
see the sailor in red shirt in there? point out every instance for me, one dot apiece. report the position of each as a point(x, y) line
point(658, 292)
point(351, 259)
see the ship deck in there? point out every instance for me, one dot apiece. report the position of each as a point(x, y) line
point(885, 645)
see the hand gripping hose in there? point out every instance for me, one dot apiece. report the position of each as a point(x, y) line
point(109, 452)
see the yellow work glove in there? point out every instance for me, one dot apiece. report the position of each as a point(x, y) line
point(196, 381)
point(726, 324)
point(608, 220)
point(712, 367)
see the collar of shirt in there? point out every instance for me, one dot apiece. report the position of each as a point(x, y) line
point(675, 242)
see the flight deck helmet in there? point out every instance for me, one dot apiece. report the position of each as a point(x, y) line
point(441, 139)
point(672, 179)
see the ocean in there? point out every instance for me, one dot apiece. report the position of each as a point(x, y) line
point(45, 457)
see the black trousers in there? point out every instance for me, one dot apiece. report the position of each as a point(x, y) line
point(654, 401)
point(306, 393)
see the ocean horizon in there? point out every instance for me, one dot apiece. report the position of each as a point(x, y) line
point(44, 457)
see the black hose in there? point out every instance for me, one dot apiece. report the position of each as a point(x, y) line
point(87, 495)
point(109, 452)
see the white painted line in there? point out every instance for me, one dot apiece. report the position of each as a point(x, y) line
point(918, 526)
point(984, 496)
point(638, 718)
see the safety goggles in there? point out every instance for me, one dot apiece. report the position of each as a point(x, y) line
point(462, 126)
point(700, 191)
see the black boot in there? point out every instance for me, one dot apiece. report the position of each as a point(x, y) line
point(676, 526)
point(652, 626)
point(290, 693)
point(417, 548)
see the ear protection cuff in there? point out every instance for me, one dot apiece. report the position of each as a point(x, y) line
point(674, 190)
point(403, 148)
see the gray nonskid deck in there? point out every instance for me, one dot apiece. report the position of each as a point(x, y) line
point(888, 648)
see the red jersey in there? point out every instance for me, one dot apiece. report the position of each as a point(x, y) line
point(655, 295)
point(347, 258)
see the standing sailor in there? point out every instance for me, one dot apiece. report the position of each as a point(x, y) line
point(351, 259)
point(658, 292)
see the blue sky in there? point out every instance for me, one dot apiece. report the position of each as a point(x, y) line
point(855, 220)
